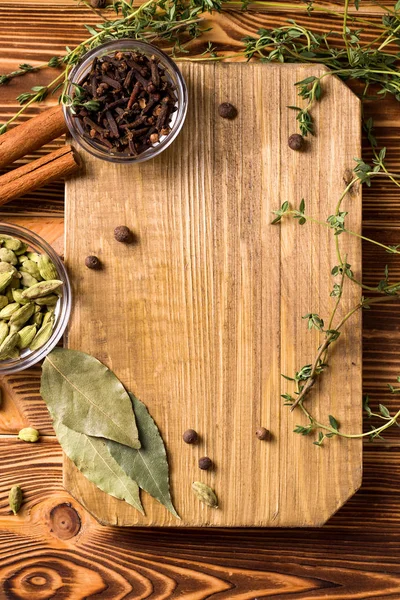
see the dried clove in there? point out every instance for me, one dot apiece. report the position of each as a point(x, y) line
point(131, 100)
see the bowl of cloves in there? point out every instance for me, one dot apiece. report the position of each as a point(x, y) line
point(126, 101)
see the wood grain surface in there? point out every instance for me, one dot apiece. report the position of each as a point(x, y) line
point(355, 556)
point(202, 315)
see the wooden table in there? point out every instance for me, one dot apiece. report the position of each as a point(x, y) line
point(53, 549)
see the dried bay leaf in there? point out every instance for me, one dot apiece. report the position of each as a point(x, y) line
point(148, 466)
point(92, 457)
point(87, 397)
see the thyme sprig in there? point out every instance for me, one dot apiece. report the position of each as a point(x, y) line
point(305, 378)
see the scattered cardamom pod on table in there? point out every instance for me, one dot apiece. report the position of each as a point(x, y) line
point(205, 494)
point(15, 498)
point(29, 434)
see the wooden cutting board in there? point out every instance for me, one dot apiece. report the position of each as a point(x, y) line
point(200, 317)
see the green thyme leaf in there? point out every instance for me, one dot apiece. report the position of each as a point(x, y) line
point(303, 430)
point(334, 424)
point(384, 411)
point(366, 406)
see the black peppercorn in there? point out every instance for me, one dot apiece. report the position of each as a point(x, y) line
point(227, 111)
point(296, 141)
point(123, 234)
point(98, 3)
point(92, 262)
point(205, 463)
point(262, 433)
point(190, 436)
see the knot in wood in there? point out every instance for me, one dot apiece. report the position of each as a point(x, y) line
point(33, 582)
point(64, 521)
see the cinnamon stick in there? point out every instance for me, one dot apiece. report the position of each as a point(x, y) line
point(56, 165)
point(31, 135)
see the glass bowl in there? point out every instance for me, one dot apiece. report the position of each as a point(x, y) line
point(171, 70)
point(63, 308)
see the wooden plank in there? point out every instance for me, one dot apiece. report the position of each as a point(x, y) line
point(51, 548)
point(204, 313)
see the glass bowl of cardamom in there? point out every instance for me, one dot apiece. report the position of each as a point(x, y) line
point(35, 298)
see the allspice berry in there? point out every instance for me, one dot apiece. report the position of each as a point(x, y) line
point(92, 262)
point(98, 3)
point(262, 433)
point(227, 111)
point(205, 463)
point(123, 234)
point(190, 436)
point(296, 141)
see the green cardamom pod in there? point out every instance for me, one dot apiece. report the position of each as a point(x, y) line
point(22, 315)
point(33, 256)
point(15, 329)
point(3, 301)
point(37, 318)
point(12, 243)
point(15, 498)
point(42, 336)
point(27, 279)
point(8, 256)
point(50, 300)
point(28, 434)
point(7, 268)
point(46, 268)
point(5, 279)
point(14, 284)
point(26, 335)
point(22, 259)
point(14, 353)
point(48, 317)
point(17, 297)
point(21, 250)
point(44, 288)
point(3, 331)
point(205, 494)
point(9, 310)
point(8, 345)
point(29, 266)
point(9, 295)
